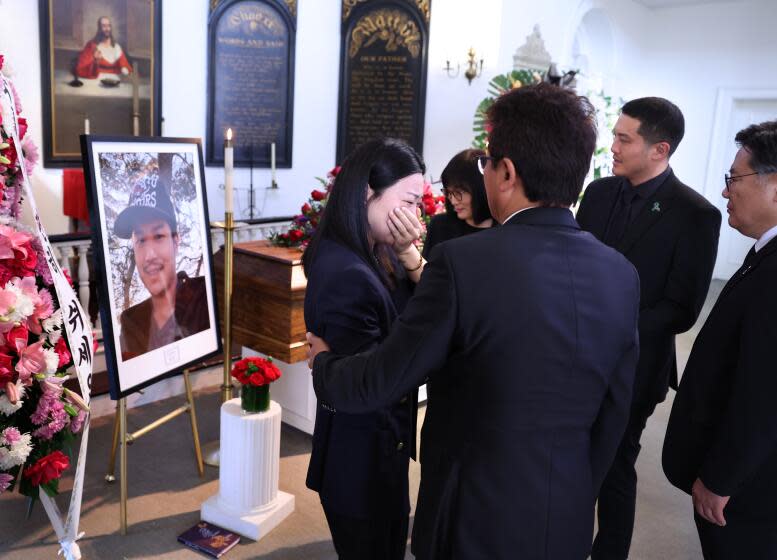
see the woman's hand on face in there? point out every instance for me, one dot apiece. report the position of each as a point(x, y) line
point(405, 227)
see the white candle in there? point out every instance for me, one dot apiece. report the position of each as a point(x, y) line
point(272, 163)
point(228, 170)
point(86, 125)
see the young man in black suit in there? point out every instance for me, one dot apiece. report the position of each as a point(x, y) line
point(721, 443)
point(670, 234)
point(530, 330)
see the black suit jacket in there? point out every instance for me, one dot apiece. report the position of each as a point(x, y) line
point(672, 243)
point(359, 462)
point(530, 329)
point(723, 425)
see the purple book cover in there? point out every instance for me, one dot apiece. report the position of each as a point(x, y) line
point(209, 539)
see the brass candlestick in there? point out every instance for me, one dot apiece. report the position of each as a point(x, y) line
point(212, 449)
point(229, 229)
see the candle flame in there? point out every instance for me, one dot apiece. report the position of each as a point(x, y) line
point(229, 134)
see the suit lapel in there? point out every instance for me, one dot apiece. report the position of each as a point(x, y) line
point(609, 197)
point(766, 251)
point(655, 208)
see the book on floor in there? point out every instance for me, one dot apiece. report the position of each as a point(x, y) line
point(208, 538)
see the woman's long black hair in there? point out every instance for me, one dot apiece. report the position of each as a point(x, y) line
point(378, 164)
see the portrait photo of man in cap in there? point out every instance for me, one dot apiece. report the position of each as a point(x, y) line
point(176, 307)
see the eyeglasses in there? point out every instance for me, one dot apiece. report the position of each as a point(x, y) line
point(483, 160)
point(731, 178)
point(453, 194)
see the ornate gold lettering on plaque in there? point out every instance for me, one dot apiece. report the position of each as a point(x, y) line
point(292, 5)
point(349, 5)
point(252, 17)
point(424, 6)
point(390, 26)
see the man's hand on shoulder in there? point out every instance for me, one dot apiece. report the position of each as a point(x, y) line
point(316, 346)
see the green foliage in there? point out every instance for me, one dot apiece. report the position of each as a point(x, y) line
point(497, 86)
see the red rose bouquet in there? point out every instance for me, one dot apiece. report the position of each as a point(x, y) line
point(255, 375)
point(303, 225)
point(255, 371)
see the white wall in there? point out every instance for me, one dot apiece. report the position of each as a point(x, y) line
point(694, 51)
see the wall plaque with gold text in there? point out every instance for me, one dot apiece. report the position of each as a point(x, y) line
point(251, 47)
point(383, 59)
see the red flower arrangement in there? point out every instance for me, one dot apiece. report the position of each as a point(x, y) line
point(255, 371)
point(39, 417)
point(431, 204)
point(47, 468)
point(303, 225)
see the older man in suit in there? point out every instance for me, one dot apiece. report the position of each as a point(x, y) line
point(721, 443)
point(670, 234)
point(530, 329)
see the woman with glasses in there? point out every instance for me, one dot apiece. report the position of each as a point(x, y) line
point(466, 205)
point(356, 288)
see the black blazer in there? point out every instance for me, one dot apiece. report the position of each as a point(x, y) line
point(359, 462)
point(672, 243)
point(723, 425)
point(530, 329)
point(443, 227)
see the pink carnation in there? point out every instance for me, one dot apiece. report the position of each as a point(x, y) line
point(10, 436)
point(5, 481)
point(31, 155)
point(77, 422)
point(50, 415)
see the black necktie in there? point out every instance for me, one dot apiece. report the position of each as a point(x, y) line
point(620, 217)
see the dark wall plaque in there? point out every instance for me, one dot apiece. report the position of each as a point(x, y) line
point(251, 80)
point(383, 57)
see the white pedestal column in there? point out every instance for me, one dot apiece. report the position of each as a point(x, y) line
point(249, 502)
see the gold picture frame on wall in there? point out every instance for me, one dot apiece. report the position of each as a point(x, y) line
point(101, 72)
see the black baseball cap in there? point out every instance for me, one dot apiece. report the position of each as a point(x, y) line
point(148, 201)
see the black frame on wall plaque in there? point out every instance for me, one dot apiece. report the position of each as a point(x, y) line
point(406, 36)
point(249, 153)
point(150, 124)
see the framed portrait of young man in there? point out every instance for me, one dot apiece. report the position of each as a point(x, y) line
point(151, 238)
point(101, 72)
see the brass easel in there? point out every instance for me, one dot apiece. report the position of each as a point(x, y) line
point(120, 433)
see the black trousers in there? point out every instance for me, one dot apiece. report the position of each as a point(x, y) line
point(363, 539)
point(737, 540)
point(618, 496)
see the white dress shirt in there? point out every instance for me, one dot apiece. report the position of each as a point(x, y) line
point(765, 238)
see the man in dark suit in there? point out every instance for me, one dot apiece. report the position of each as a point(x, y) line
point(670, 234)
point(721, 443)
point(530, 329)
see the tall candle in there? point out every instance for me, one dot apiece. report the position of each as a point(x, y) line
point(272, 163)
point(228, 170)
point(135, 101)
point(86, 125)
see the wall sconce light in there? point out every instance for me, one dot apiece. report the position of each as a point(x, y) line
point(474, 68)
